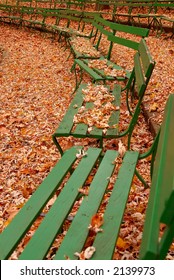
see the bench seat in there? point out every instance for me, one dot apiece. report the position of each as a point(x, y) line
point(102, 27)
point(74, 240)
point(99, 74)
point(81, 196)
point(68, 127)
point(73, 125)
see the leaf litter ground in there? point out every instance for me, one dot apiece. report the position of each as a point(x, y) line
point(36, 86)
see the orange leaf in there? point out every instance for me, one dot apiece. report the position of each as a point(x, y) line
point(97, 220)
point(121, 244)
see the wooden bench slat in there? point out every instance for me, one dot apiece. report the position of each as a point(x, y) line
point(160, 206)
point(114, 119)
point(78, 231)
point(67, 121)
point(81, 130)
point(167, 165)
point(139, 31)
point(22, 222)
point(89, 70)
point(124, 42)
point(101, 28)
point(145, 57)
point(115, 209)
point(40, 243)
point(101, 72)
point(140, 78)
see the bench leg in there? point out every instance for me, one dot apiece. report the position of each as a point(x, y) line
point(68, 58)
point(101, 143)
point(57, 144)
point(76, 79)
point(141, 179)
point(73, 66)
point(152, 152)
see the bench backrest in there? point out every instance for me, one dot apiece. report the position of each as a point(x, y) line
point(113, 5)
point(109, 29)
point(161, 201)
point(25, 3)
point(138, 81)
point(143, 67)
point(68, 15)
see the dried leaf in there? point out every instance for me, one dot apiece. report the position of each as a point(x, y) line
point(96, 222)
point(121, 149)
point(121, 244)
point(86, 254)
point(89, 252)
point(153, 107)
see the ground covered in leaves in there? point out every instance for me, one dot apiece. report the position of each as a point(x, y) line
point(36, 86)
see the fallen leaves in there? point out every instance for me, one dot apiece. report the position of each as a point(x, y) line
point(81, 153)
point(108, 69)
point(100, 113)
point(121, 244)
point(84, 47)
point(35, 92)
point(96, 223)
point(153, 107)
point(33, 99)
point(86, 254)
point(121, 149)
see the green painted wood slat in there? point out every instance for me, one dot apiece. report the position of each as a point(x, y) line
point(67, 121)
point(143, 32)
point(114, 119)
point(139, 74)
point(78, 231)
point(89, 70)
point(105, 241)
point(44, 236)
point(124, 42)
point(146, 57)
point(102, 72)
point(24, 219)
point(161, 200)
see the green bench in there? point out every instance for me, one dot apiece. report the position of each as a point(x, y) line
point(71, 23)
point(103, 27)
point(110, 30)
point(150, 13)
point(63, 22)
point(9, 13)
point(155, 245)
point(139, 78)
point(84, 5)
point(32, 17)
point(22, 13)
point(90, 164)
point(46, 4)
